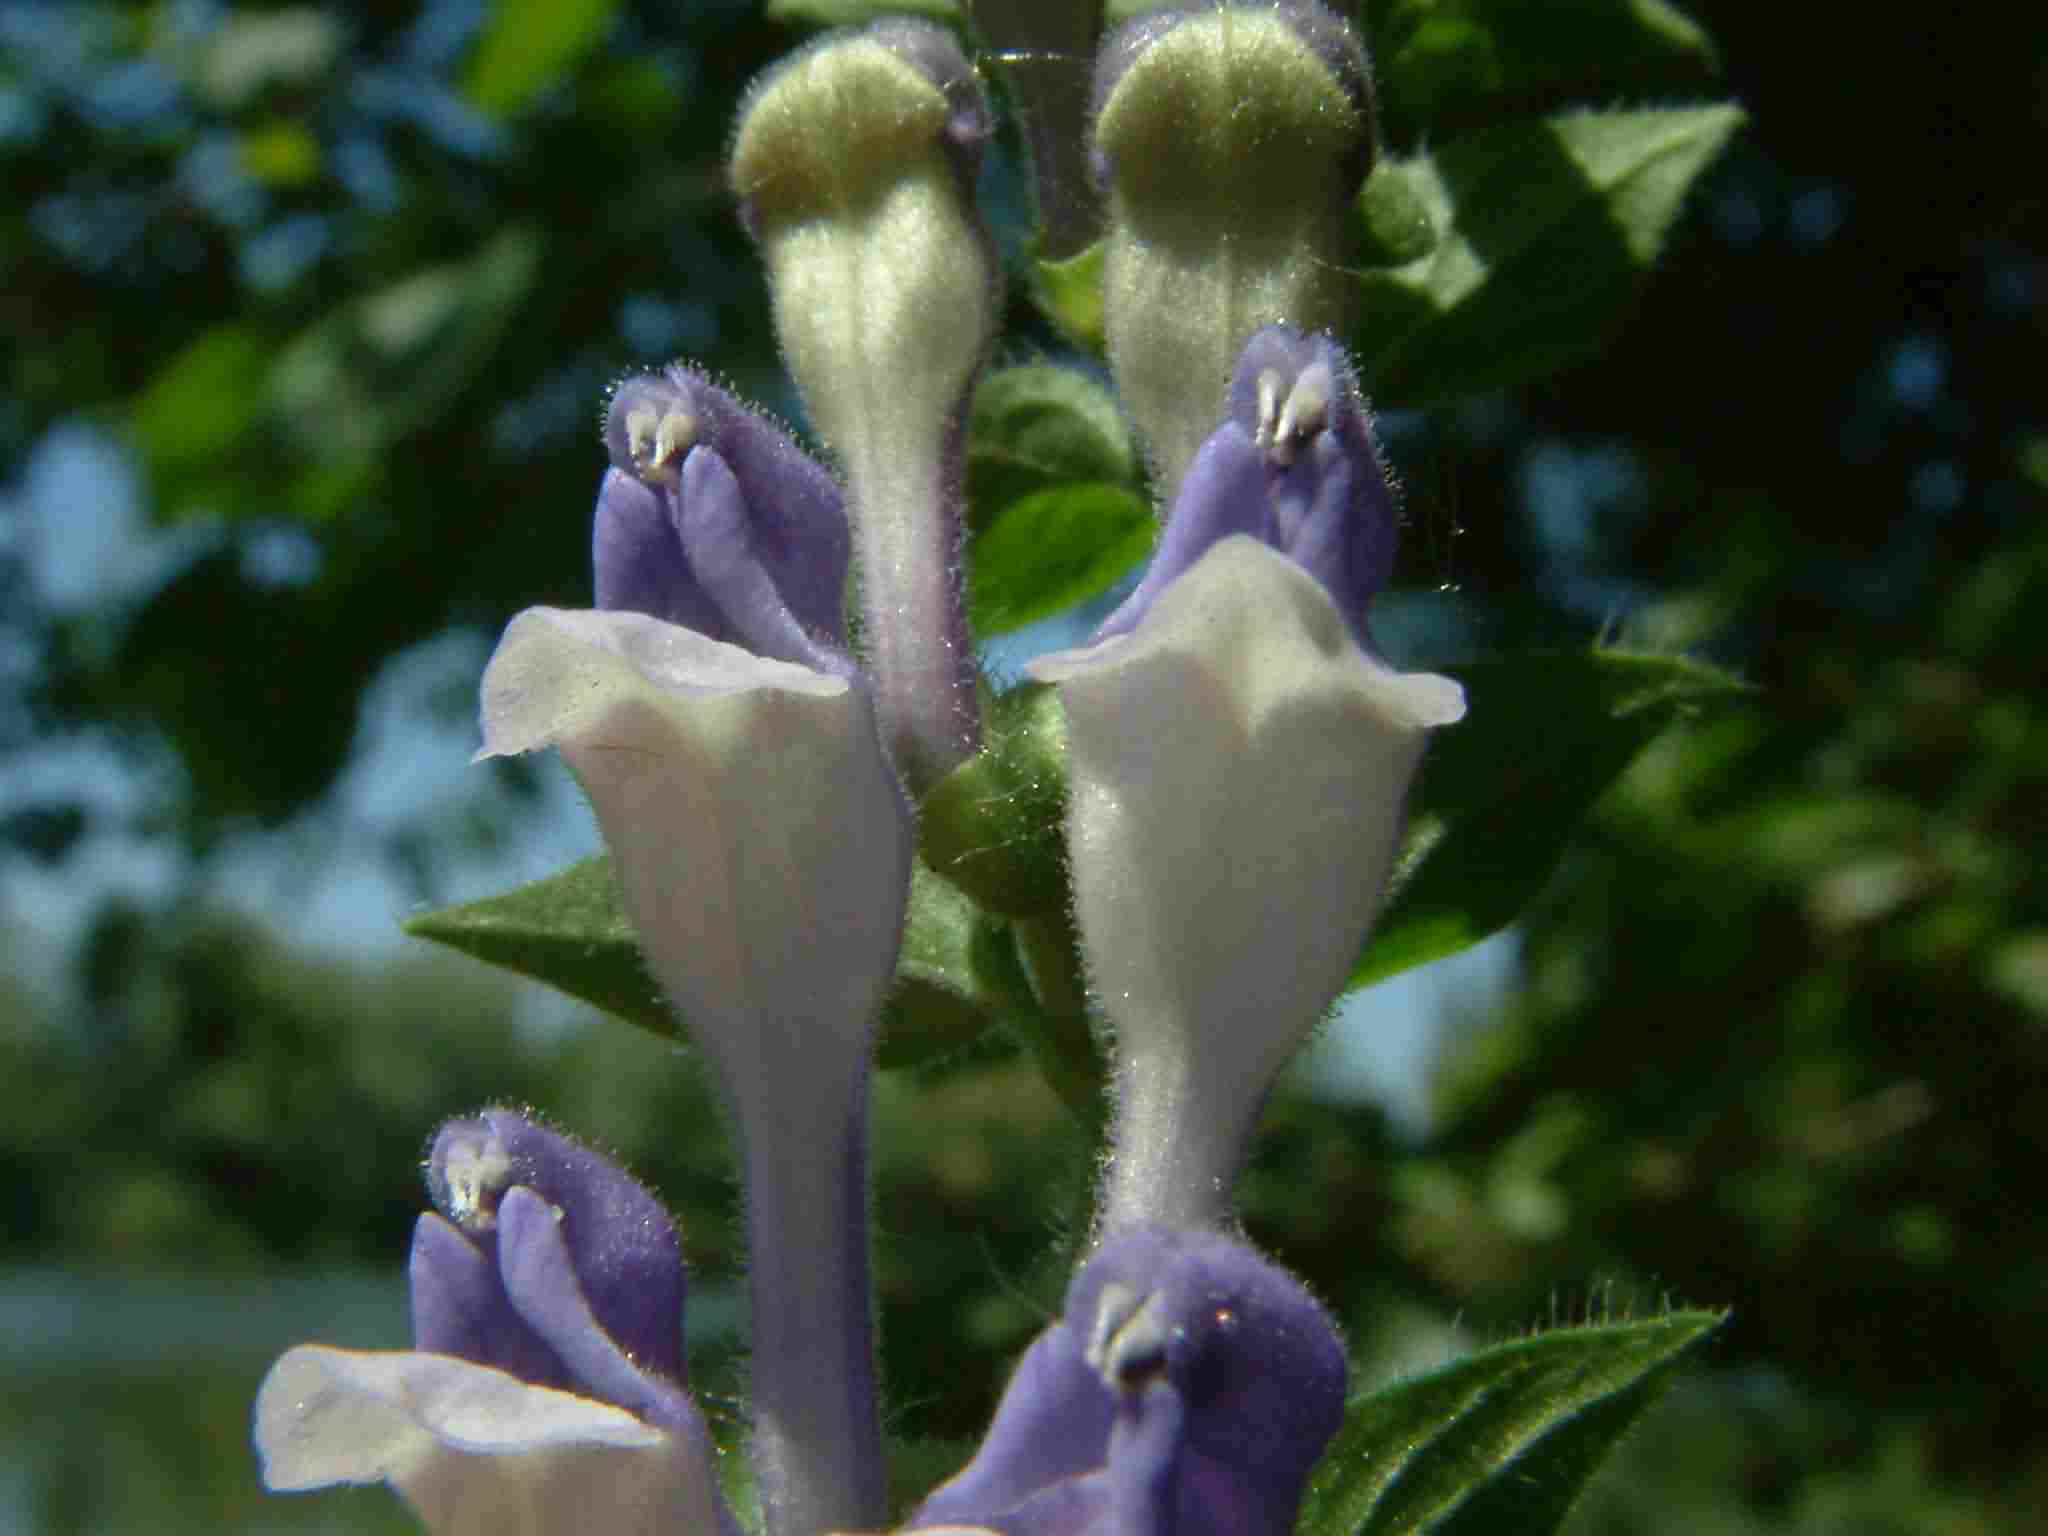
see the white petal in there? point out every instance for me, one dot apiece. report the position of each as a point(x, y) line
point(761, 840)
point(1238, 772)
point(472, 1449)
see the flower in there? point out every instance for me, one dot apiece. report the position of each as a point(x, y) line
point(1188, 1389)
point(762, 845)
point(1239, 762)
point(546, 1388)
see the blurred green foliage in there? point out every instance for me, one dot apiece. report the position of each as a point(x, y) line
point(359, 275)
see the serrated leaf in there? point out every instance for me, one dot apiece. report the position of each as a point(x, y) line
point(529, 45)
point(1544, 734)
point(1053, 549)
point(570, 932)
point(1448, 62)
point(1501, 1442)
point(1545, 228)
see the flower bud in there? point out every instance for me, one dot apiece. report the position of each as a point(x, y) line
point(854, 163)
point(1230, 141)
point(1238, 770)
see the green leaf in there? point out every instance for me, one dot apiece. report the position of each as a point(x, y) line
point(1053, 549)
point(1545, 228)
point(1038, 427)
point(530, 44)
point(1544, 735)
point(1500, 1443)
point(571, 932)
point(1446, 63)
point(1053, 487)
point(1070, 292)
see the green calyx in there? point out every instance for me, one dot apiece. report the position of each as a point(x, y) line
point(996, 826)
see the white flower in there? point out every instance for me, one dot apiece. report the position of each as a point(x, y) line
point(1239, 766)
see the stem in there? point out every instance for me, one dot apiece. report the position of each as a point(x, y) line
point(817, 1434)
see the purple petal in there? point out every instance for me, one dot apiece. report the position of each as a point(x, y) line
point(1294, 466)
point(636, 558)
point(1255, 1359)
point(1188, 1391)
point(621, 1244)
point(1052, 1426)
point(1333, 505)
point(799, 517)
point(719, 542)
point(781, 516)
point(1146, 1494)
point(1224, 493)
point(459, 1307)
point(542, 1282)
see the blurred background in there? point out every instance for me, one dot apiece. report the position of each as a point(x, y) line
point(308, 311)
